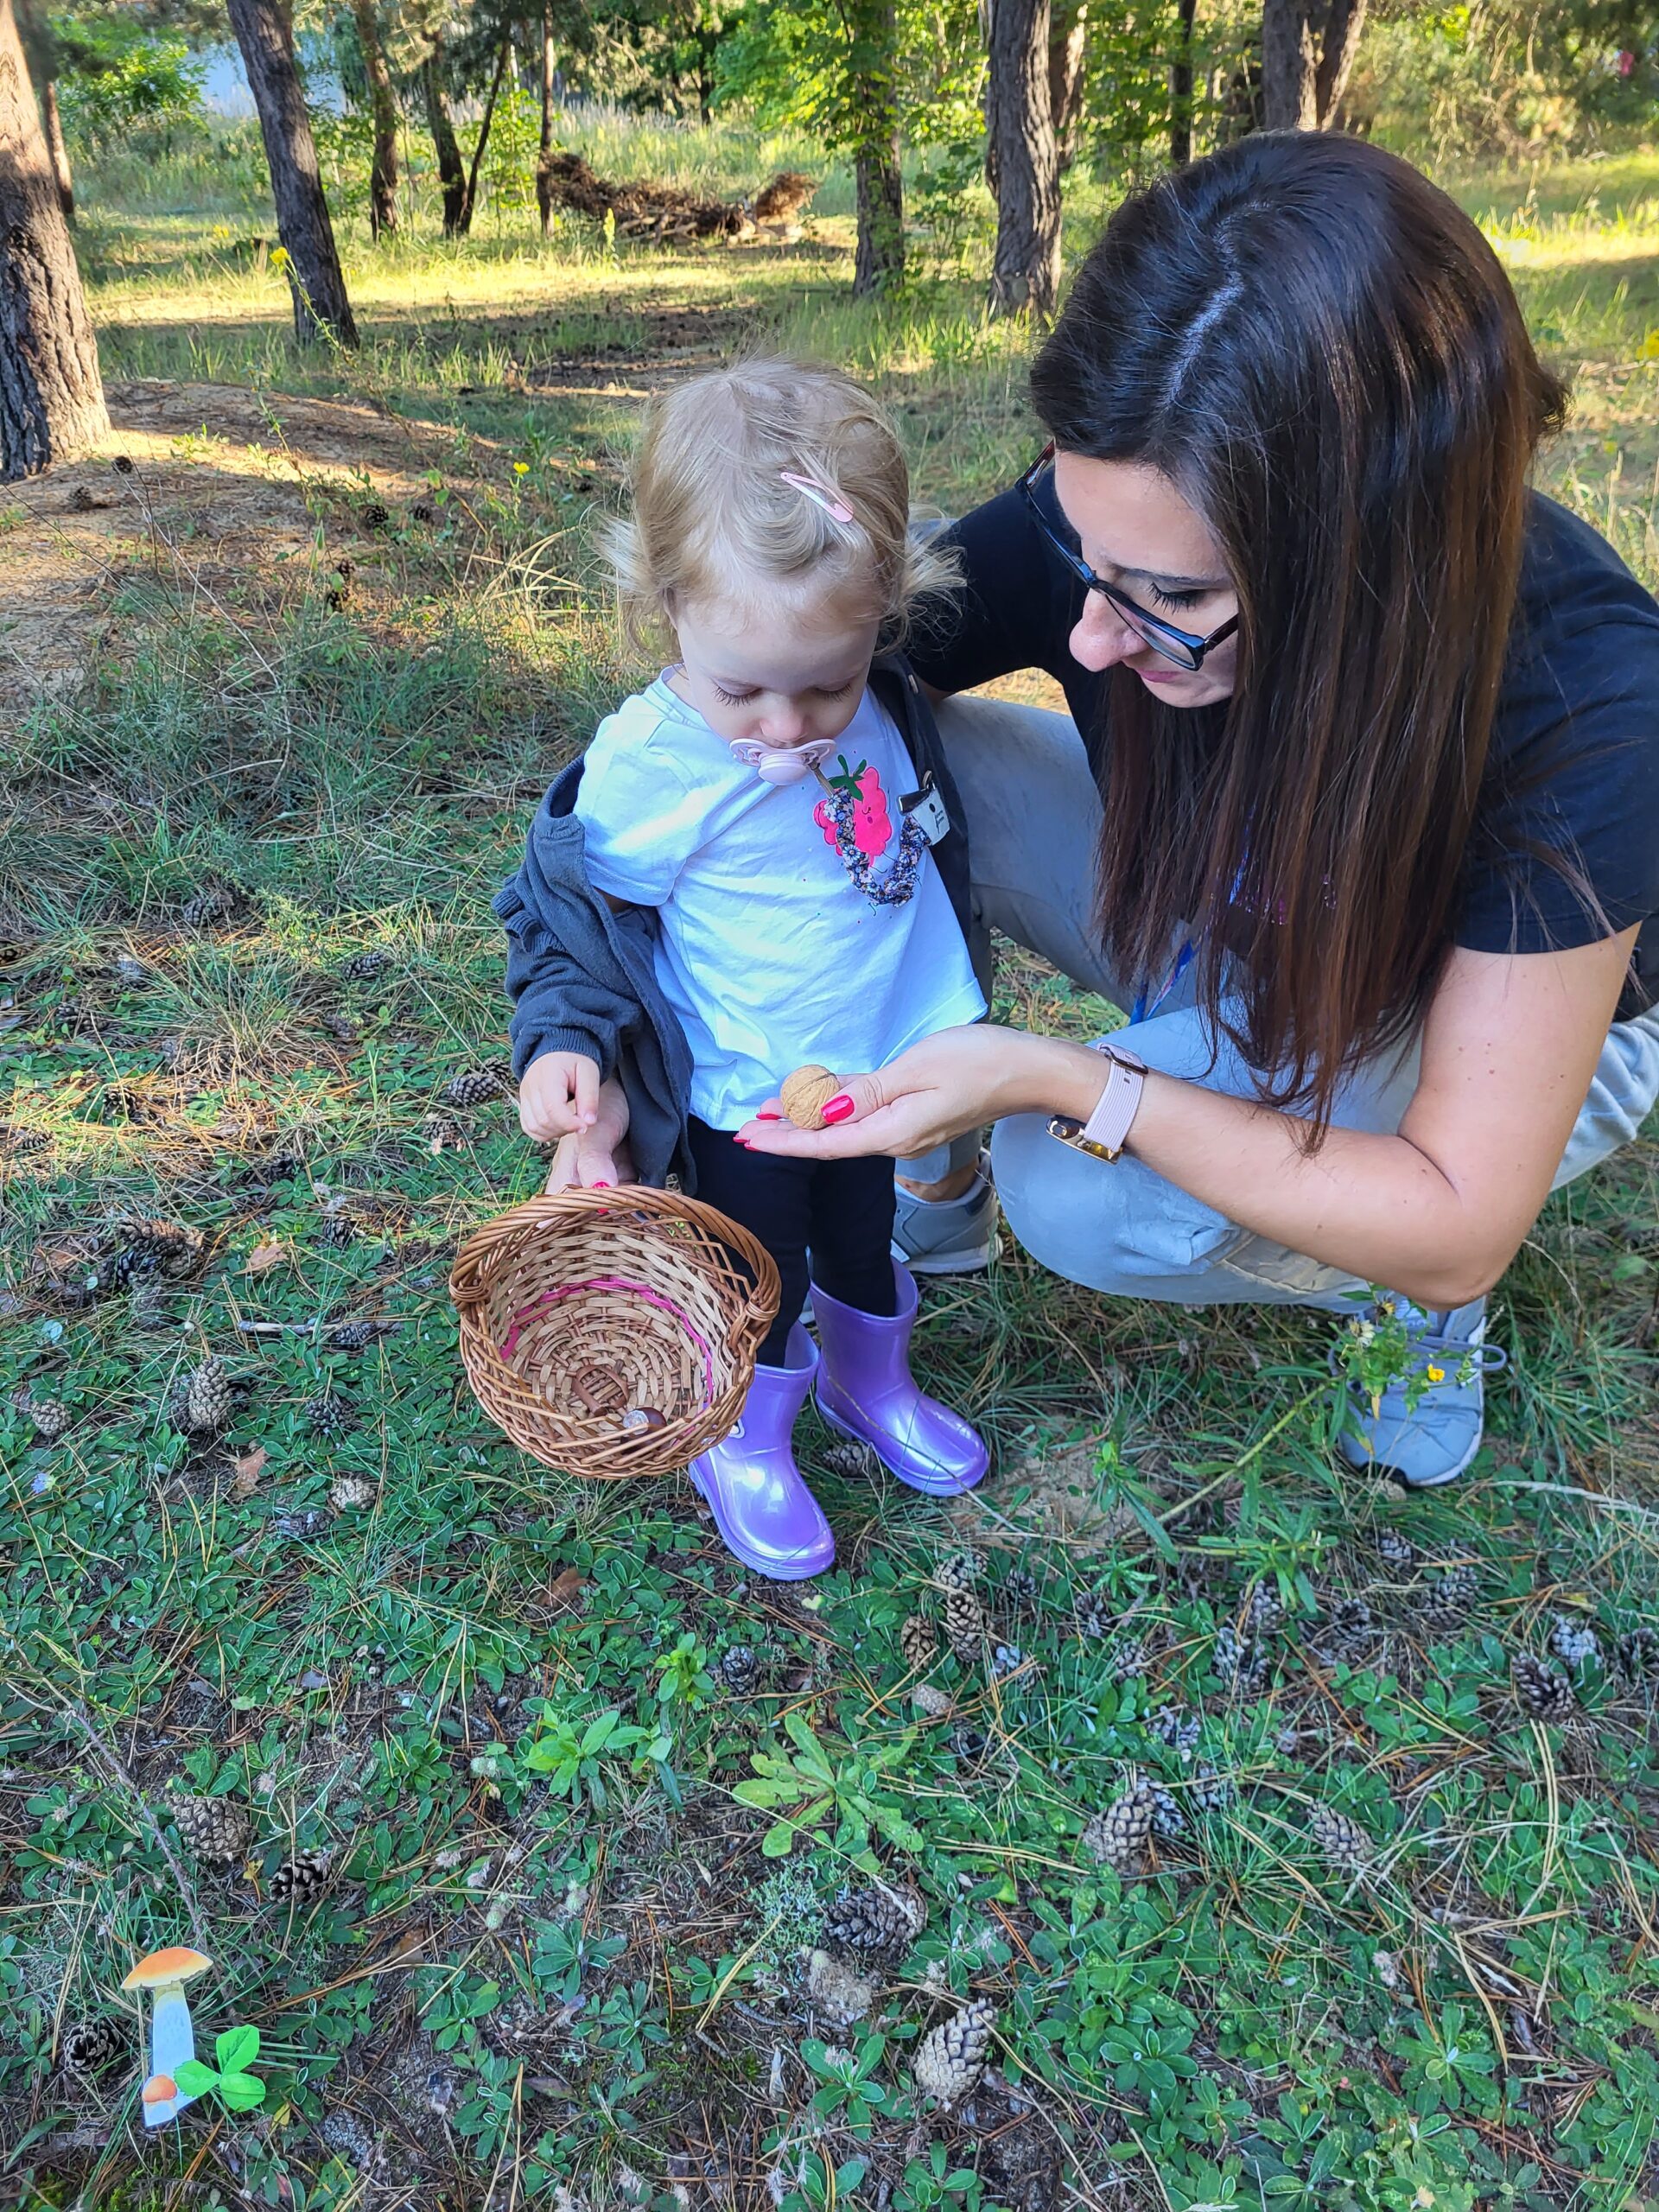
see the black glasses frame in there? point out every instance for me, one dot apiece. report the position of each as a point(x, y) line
point(1184, 647)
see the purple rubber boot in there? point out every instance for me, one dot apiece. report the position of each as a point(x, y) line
point(866, 1390)
point(761, 1504)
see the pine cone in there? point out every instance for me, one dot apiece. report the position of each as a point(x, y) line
point(84, 2045)
point(356, 1336)
point(1020, 1588)
point(443, 1133)
point(1574, 1642)
point(1446, 1602)
point(329, 1413)
point(1637, 1653)
point(950, 2060)
point(1092, 1617)
point(1180, 1731)
point(477, 1087)
point(337, 1230)
point(1339, 1840)
point(349, 1493)
point(374, 514)
point(1393, 1549)
point(216, 1828)
point(964, 1623)
point(1238, 1663)
point(851, 1461)
point(1544, 1695)
point(1129, 1659)
point(211, 904)
point(203, 1405)
point(149, 1307)
point(169, 1248)
point(875, 1923)
point(49, 1416)
point(300, 1877)
point(960, 1572)
point(1117, 1837)
point(1349, 1632)
point(362, 967)
point(1265, 1612)
point(836, 1992)
point(919, 1641)
point(1168, 1820)
point(1209, 1792)
point(740, 1669)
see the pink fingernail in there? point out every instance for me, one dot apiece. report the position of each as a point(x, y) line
point(599, 1187)
point(837, 1110)
point(764, 1117)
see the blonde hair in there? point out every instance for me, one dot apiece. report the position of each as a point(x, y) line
point(714, 521)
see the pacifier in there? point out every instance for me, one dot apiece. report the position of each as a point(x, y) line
point(779, 764)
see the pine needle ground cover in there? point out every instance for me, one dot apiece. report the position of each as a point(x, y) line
point(1177, 1822)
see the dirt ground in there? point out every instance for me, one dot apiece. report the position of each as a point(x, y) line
point(212, 483)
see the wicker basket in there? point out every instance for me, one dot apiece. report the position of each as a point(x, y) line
point(613, 1332)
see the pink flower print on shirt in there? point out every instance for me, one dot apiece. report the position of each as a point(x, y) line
point(872, 824)
point(871, 827)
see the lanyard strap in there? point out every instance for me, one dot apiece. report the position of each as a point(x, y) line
point(1145, 1005)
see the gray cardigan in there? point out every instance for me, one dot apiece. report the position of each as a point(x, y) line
point(583, 978)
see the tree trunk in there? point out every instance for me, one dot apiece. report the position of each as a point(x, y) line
point(1288, 67)
point(51, 395)
point(1307, 52)
point(1180, 86)
point(1026, 270)
point(41, 55)
point(1068, 36)
point(264, 32)
point(871, 67)
point(543, 152)
point(1345, 21)
point(451, 174)
point(468, 205)
point(382, 106)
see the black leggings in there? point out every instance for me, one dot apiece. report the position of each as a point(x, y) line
point(842, 1209)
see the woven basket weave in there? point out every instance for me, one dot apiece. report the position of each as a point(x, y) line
point(584, 1308)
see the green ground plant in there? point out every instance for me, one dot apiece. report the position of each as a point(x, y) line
point(474, 1781)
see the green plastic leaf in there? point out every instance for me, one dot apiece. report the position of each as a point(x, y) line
point(236, 2050)
point(194, 2078)
point(242, 2092)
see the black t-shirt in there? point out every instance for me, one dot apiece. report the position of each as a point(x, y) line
point(1573, 765)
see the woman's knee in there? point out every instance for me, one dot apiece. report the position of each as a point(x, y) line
point(1113, 1227)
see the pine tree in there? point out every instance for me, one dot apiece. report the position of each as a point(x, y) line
point(51, 393)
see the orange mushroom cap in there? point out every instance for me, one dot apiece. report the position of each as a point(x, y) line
point(160, 2090)
point(176, 1963)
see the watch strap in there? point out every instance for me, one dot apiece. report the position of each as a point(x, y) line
point(1107, 1129)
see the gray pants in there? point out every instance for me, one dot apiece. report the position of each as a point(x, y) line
point(1033, 819)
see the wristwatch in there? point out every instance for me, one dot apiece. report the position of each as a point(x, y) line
point(1106, 1132)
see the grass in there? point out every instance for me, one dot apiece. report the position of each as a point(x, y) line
point(533, 1973)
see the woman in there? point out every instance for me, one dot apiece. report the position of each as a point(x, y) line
point(1360, 812)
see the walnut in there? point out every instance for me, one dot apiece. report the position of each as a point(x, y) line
point(804, 1095)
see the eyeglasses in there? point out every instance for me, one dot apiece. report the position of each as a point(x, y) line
point(1179, 646)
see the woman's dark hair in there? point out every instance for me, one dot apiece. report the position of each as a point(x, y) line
point(1322, 352)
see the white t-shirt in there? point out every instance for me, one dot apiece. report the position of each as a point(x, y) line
point(767, 952)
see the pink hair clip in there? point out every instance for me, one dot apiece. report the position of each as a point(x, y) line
point(820, 494)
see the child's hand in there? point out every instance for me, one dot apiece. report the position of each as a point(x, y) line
point(597, 1159)
point(559, 1093)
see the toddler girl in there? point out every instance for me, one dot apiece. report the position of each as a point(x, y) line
point(748, 872)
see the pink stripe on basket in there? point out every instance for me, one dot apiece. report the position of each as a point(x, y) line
point(635, 1289)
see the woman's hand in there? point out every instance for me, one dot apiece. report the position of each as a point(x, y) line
point(957, 1080)
point(597, 1158)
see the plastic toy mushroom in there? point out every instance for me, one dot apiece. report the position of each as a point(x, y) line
point(172, 2040)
